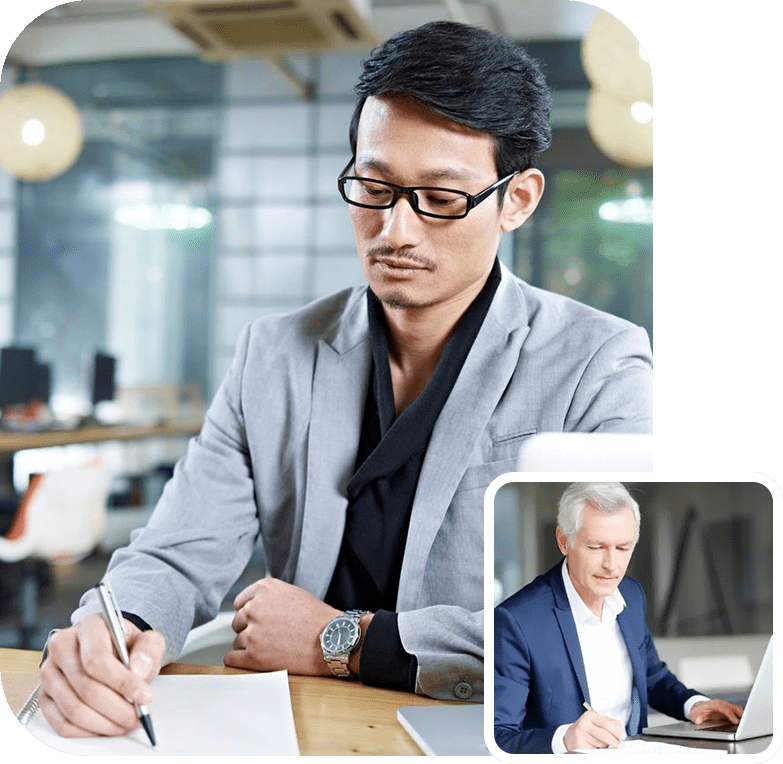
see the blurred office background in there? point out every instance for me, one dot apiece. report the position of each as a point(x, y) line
point(704, 559)
point(204, 196)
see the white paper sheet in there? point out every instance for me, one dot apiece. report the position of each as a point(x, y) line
point(649, 746)
point(201, 715)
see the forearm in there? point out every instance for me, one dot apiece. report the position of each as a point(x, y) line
point(511, 739)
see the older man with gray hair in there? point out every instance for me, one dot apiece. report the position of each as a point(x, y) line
point(575, 666)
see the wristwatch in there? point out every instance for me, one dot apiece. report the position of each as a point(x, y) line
point(340, 638)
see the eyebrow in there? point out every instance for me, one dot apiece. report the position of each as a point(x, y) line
point(443, 173)
point(597, 542)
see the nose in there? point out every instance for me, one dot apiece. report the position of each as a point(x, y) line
point(609, 560)
point(402, 225)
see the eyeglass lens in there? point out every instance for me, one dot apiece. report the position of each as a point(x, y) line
point(434, 201)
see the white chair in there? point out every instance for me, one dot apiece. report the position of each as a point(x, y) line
point(61, 519)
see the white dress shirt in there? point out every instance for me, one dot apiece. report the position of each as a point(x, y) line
point(605, 657)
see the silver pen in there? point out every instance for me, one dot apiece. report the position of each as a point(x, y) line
point(113, 616)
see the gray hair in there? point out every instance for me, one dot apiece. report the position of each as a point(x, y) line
point(607, 497)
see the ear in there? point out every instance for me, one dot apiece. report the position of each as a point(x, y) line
point(562, 541)
point(522, 196)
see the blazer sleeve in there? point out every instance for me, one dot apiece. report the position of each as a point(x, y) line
point(448, 644)
point(665, 692)
point(614, 394)
point(176, 571)
point(512, 689)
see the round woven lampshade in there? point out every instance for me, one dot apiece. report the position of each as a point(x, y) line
point(613, 60)
point(623, 131)
point(41, 132)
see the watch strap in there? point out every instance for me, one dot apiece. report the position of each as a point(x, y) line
point(338, 663)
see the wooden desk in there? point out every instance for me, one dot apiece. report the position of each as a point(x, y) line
point(17, 441)
point(333, 717)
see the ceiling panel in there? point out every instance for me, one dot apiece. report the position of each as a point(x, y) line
point(102, 29)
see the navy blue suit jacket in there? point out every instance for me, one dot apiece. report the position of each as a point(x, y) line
point(540, 680)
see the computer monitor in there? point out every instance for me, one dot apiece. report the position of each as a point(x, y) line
point(17, 376)
point(103, 387)
point(42, 383)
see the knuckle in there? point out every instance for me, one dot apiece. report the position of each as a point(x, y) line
point(81, 685)
point(57, 644)
point(93, 663)
point(68, 706)
point(47, 673)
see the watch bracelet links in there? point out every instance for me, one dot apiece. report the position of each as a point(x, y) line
point(339, 664)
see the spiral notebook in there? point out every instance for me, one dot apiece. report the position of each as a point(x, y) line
point(196, 714)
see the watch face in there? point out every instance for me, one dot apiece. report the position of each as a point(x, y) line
point(340, 635)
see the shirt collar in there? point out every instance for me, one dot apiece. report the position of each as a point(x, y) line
point(614, 604)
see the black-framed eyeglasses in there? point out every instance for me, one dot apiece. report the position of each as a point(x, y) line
point(434, 202)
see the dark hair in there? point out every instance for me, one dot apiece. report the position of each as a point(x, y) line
point(471, 76)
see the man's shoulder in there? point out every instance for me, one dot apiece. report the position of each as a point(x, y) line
point(319, 320)
point(632, 591)
point(550, 313)
point(538, 593)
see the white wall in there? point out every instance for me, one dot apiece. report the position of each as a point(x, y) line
point(284, 233)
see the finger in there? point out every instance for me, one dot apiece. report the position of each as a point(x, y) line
point(246, 595)
point(99, 662)
point(240, 621)
point(600, 738)
point(69, 712)
point(56, 720)
point(240, 641)
point(608, 731)
point(240, 659)
point(63, 676)
point(612, 726)
point(729, 710)
point(146, 654)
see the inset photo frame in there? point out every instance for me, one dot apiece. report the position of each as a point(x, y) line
point(631, 612)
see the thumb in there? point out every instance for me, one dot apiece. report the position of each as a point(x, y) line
point(146, 654)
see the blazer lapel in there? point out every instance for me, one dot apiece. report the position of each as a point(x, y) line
point(473, 399)
point(339, 392)
point(625, 621)
point(565, 620)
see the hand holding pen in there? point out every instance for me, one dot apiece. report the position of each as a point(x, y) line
point(86, 690)
point(591, 730)
point(113, 616)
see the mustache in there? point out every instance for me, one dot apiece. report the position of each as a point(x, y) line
point(384, 252)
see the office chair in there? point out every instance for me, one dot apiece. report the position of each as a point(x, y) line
point(60, 520)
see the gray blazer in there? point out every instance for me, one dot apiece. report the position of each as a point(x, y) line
point(279, 445)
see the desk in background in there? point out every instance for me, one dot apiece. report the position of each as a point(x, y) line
point(333, 717)
point(13, 441)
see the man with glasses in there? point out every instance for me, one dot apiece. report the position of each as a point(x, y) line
point(357, 436)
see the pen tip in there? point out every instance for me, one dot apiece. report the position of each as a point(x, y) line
point(147, 724)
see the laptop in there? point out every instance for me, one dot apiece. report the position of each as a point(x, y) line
point(586, 452)
point(456, 730)
point(756, 719)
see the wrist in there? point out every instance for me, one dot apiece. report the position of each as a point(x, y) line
point(354, 661)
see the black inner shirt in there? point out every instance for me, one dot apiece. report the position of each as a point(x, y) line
point(391, 452)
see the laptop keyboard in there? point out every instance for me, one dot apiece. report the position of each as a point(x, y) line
point(717, 727)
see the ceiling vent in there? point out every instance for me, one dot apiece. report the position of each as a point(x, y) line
point(224, 29)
